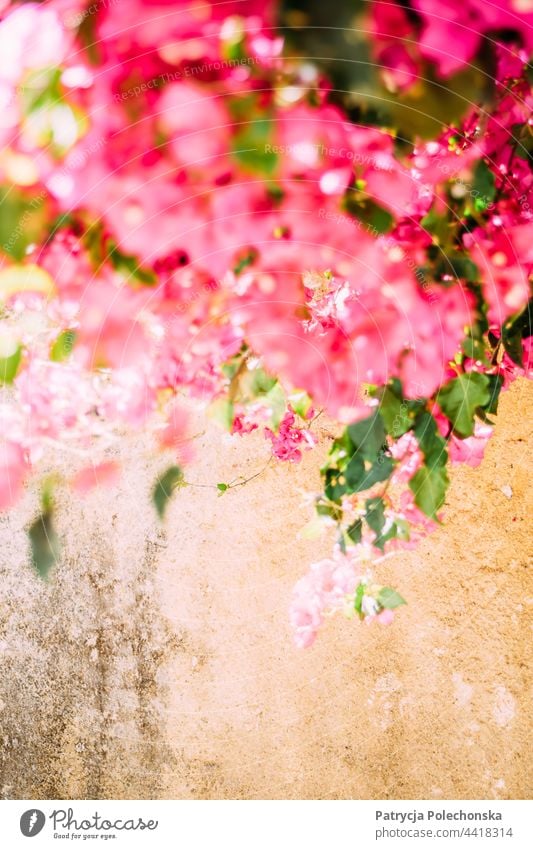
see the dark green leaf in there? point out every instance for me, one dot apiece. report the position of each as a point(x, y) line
point(355, 531)
point(495, 385)
point(44, 543)
point(332, 510)
point(514, 330)
point(375, 514)
point(394, 412)
point(459, 266)
point(128, 265)
point(484, 185)
point(375, 217)
point(368, 436)
point(164, 488)
point(432, 444)
point(379, 471)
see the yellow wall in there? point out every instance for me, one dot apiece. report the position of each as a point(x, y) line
point(159, 664)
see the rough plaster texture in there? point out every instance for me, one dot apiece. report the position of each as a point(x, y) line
point(157, 663)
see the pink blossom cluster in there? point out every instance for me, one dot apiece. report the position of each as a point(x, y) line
point(290, 440)
point(196, 193)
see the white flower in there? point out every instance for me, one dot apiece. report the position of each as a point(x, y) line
point(369, 605)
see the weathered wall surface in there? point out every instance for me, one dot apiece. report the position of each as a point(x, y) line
point(158, 663)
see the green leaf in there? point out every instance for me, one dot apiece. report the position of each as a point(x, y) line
point(459, 266)
point(368, 436)
point(9, 366)
point(514, 330)
point(358, 600)
point(128, 265)
point(432, 444)
point(484, 185)
point(389, 598)
point(245, 261)
point(256, 383)
point(301, 403)
point(222, 487)
point(437, 224)
point(459, 399)
point(394, 412)
point(44, 543)
point(364, 209)
point(355, 530)
point(375, 514)
point(251, 147)
point(379, 471)
point(335, 484)
point(23, 220)
point(164, 488)
point(495, 386)
point(222, 411)
point(275, 399)
point(63, 345)
point(429, 486)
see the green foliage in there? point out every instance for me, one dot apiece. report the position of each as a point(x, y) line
point(301, 403)
point(44, 542)
point(358, 600)
point(389, 598)
point(375, 217)
point(432, 444)
point(514, 330)
point(484, 186)
point(62, 346)
point(22, 220)
point(460, 398)
point(429, 486)
point(358, 459)
point(9, 366)
point(164, 488)
point(252, 148)
point(275, 399)
point(354, 531)
point(128, 265)
point(223, 412)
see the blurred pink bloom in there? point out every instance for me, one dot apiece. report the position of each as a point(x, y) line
point(13, 471)
point(102, 474)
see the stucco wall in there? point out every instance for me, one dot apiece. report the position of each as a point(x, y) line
point(158, 663)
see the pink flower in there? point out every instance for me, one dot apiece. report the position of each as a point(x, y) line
point(13, 471)
point(101, 474)
point(322, 590)
point(452, 29)
point(504, 259)
point(176, 436)
point(471, 449)
point(288, 443)
point(198, 124)
point(31, 36)
point(407, 452)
